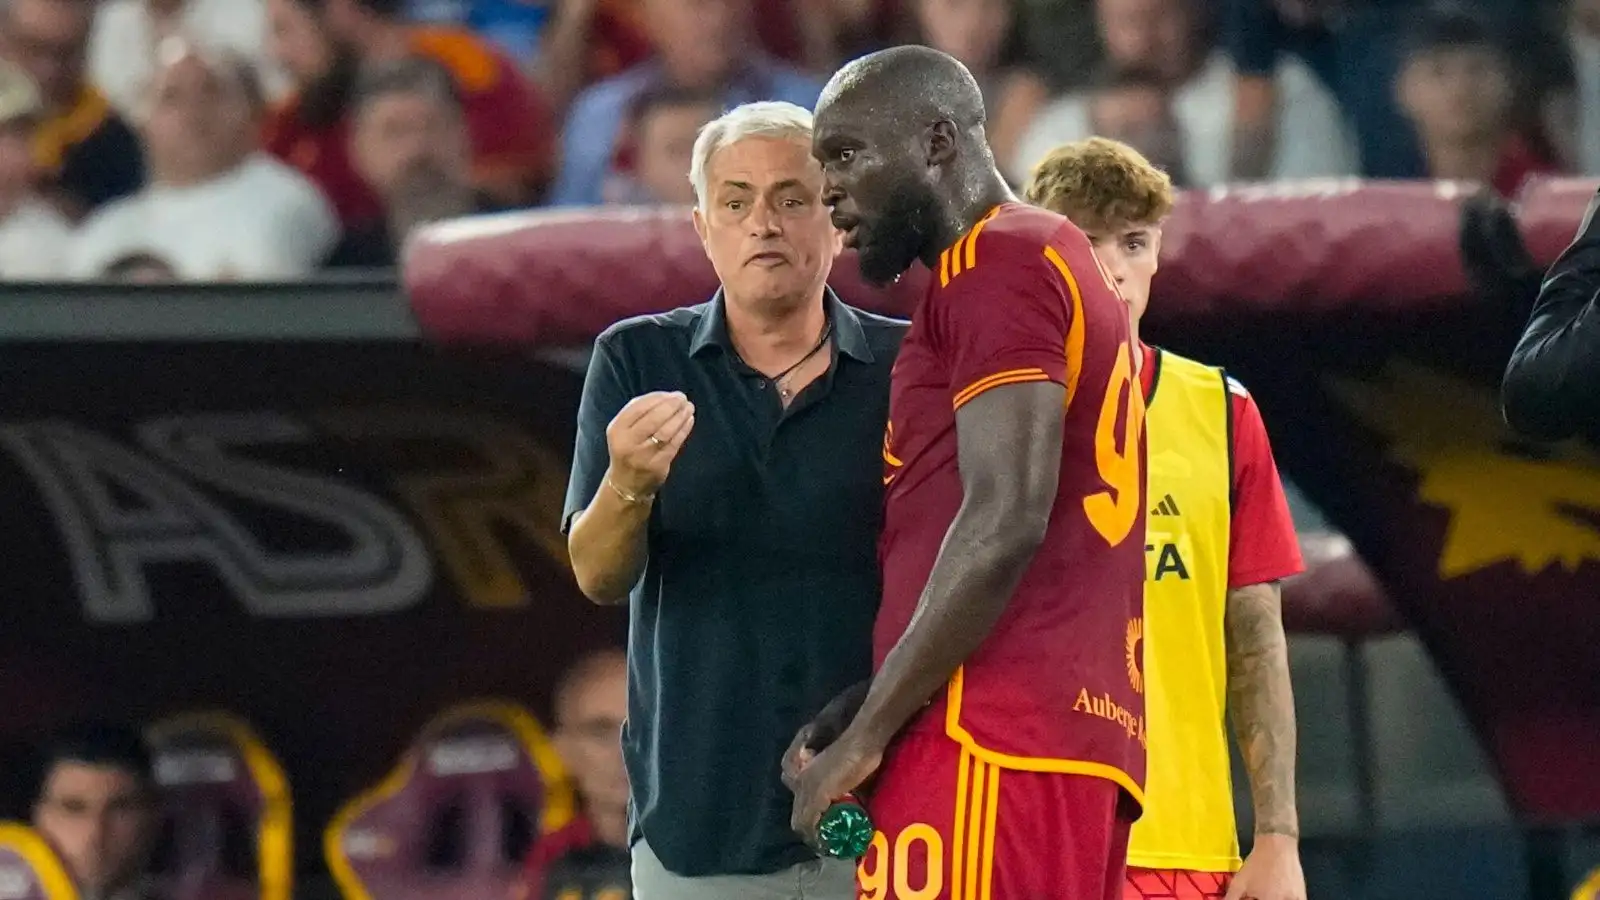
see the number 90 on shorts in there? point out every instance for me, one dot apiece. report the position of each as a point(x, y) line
point(910, 867)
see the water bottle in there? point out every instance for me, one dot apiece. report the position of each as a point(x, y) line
point(845, 831)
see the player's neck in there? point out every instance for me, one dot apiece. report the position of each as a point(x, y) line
point(775, 335)
point(969, 204)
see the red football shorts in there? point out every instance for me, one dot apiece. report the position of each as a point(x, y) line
point(1175, 884)
point(952, 827)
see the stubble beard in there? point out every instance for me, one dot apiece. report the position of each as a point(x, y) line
point(895, 241)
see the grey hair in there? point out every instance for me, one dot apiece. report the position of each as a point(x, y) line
point(767, 119)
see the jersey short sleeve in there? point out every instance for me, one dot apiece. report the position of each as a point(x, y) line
point(1003, 316)
point(1264, 546)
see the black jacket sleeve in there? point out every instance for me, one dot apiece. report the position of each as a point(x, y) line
point(1552, 384)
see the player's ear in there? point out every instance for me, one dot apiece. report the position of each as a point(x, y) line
point(1155, 245)
point(941, 142)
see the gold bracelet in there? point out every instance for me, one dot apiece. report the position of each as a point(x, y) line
point(632, 499)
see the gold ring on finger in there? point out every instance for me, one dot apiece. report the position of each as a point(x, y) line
point(657, 441)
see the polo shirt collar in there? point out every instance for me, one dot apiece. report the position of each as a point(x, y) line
point(848, 335)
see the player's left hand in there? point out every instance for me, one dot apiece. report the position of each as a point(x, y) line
point(836, 771)
point(1271, 871)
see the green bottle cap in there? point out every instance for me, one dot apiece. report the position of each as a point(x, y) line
point(845, 831)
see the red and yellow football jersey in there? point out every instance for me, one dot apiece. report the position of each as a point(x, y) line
point(1057, 686)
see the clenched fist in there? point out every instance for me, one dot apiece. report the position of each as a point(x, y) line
point(645, 438)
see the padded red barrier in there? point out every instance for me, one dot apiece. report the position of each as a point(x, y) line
point(1549, 210)
point(558, 278)
point(555, 278)
point(1337, 595)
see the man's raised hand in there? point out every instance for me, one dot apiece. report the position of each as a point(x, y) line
point(645, 438)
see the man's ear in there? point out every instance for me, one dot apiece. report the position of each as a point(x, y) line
point(699, 224)
point(941, 142)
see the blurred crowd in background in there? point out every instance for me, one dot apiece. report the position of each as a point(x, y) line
point(227, 140)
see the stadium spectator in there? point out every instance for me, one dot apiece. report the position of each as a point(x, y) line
point(1136, 108)
point(751, 571)
point(699, 45)
point(97, 806)
point(216, 206)
point(1167, 38)
point(662, 128)
point(126, 33)
point(513, 134)
point(588, 858)
point(982, 34)
point(411, 145)
point(308, 130)
point(823, 35)
point(1457, 87)
point(322, 44)
point(589, 40)
point(1357, 49)
point(33, 235)
point(85, 152)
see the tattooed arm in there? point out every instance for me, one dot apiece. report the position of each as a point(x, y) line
point(1261, 702)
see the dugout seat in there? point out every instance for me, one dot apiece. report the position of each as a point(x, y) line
point(456, 817)
point(29, 869)
point(227, 832)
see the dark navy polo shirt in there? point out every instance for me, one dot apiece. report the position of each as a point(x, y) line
point(761, 581)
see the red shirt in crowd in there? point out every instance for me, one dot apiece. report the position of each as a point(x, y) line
point(1520, 159)
point(513, 135)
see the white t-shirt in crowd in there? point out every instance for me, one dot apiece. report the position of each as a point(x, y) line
point(1313, 138)
point(34, 242)
point(125, 38)
point(261, 221)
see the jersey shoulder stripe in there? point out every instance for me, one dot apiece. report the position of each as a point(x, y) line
point(1009, 233)
point(962, 256)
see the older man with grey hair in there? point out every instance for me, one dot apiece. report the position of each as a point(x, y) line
point(726, 485)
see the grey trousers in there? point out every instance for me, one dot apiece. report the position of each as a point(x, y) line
point(824, 879)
